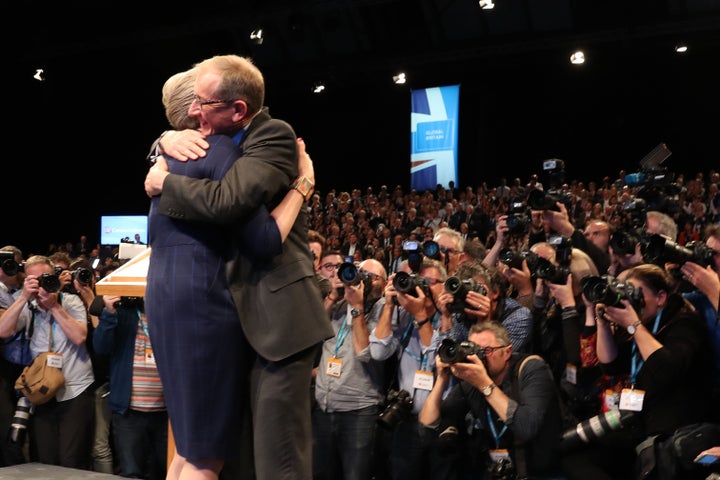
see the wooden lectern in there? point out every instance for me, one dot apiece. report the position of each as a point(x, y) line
point(129, 281)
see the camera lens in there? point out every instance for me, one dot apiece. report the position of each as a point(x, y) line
point(83, 275)
point(20, 420)
point(453, 284)
point(403, 282)
point(348, 274)
point(50, 282)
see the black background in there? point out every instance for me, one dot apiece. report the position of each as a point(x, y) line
point(76, 142)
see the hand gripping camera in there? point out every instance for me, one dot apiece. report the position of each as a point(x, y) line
point(406, 282)
point(459, 290)
point(50, 282)
point(606, 289)
point(514, 259)
point(545, 269)
point(451, 351)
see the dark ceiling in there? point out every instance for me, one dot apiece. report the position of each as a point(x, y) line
point(356, 41)
point(521, 101)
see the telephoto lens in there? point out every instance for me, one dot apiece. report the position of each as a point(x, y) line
point(595, 427)
point(20, 420)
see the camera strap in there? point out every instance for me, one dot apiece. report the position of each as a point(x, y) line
point(520, 460)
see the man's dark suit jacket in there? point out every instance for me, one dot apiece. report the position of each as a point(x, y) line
point(278, 300)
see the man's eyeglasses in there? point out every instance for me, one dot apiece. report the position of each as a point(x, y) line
point(330, 266)
point(489, 350)
point(203, 103)
point(432, 281)
point(448, 251)
point(372, 276)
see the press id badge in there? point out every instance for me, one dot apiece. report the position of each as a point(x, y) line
point(423, 380)
point(334, 367)
point(631, 399)
point(149, 356)
point(54, 360)
point(498, 454)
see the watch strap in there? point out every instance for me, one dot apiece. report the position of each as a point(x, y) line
point(633, 328)
point(487, 390)
point(304, 187)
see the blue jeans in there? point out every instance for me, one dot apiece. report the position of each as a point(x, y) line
point(343, 444)
point(141, 443)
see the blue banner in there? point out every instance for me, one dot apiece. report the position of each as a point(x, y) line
point(434, 137)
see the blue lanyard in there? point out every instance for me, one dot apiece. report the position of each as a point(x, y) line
point(342, 333)
point(493, 430)
point(636, 362)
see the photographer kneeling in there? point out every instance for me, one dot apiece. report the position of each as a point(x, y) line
point(512, 403)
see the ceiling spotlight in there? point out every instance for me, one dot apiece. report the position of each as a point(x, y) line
point(39, 75)
point(577, 58)
point(257, 36)
point(681, 48)
point(486, 4)
point(319, 87)
point(399, 79)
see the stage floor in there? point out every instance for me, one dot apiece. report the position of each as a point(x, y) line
point(40, 471)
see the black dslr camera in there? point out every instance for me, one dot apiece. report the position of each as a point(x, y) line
point(545, 269)
point(547, 200)
point(349, 274)
point(451, 351)
point(501, 469)
point(83, 275)
point(661, 250)
point(606, 289)
point(414, 251)
point(514, 259)
point(459, 290)
point(518, 221)
point(398, 407)
point(50, 282)
point(406, 282)
point(8, 264)
point(623, 242)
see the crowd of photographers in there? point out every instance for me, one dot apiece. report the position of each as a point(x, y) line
point(529, 330)
point(526, 330)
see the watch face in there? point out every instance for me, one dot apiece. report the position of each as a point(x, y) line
point(487, 390)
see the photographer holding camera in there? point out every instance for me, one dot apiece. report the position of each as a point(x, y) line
point(556, 219)
point(512, 405)
point(705, 296)
point(408, 333)
point(483, 299)
point(139, 421)
point(62, 428)
point(16, 353)
point(349, 382)
point(663, 349)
